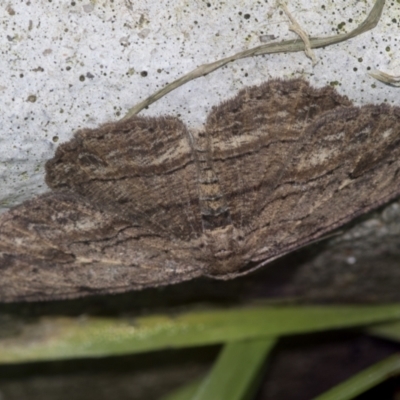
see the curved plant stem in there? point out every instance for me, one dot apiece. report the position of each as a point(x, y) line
point(282, 47)
point(364, 380)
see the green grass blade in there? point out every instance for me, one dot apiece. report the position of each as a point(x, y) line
point(364, 380)
point(387, 331)
point(185, 392)
point(234, 375)
point(58, 338)
point(237, 371)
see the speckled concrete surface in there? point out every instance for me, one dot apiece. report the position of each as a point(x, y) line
point(80, 63)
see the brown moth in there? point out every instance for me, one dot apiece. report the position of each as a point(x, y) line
point(146, 202)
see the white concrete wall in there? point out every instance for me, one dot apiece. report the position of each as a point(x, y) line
point(72, 64)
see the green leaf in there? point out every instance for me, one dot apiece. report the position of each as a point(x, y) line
point(58, 338)
point(234, 376)
point(236, 373)
point(364, 380)
point(185, 392)
point(387, 331)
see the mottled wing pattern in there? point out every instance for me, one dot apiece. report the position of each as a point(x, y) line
point(142, 168)
point(348, 164)
point(60, 245)
point(143, 203)
point(255, 135)
point(297, 162)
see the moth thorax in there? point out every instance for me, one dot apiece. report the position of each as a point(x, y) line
point(225, 249)
point(214, 209)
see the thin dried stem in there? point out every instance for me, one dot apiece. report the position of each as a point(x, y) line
point(285, 46)
point(295, 27)
point(393, 80)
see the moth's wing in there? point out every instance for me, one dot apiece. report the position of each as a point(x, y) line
point(60, 245)
point(295, 162)
point(254, 137)
point(347, 164)
point(143, 169)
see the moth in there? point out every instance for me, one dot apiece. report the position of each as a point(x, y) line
point(147, 202)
